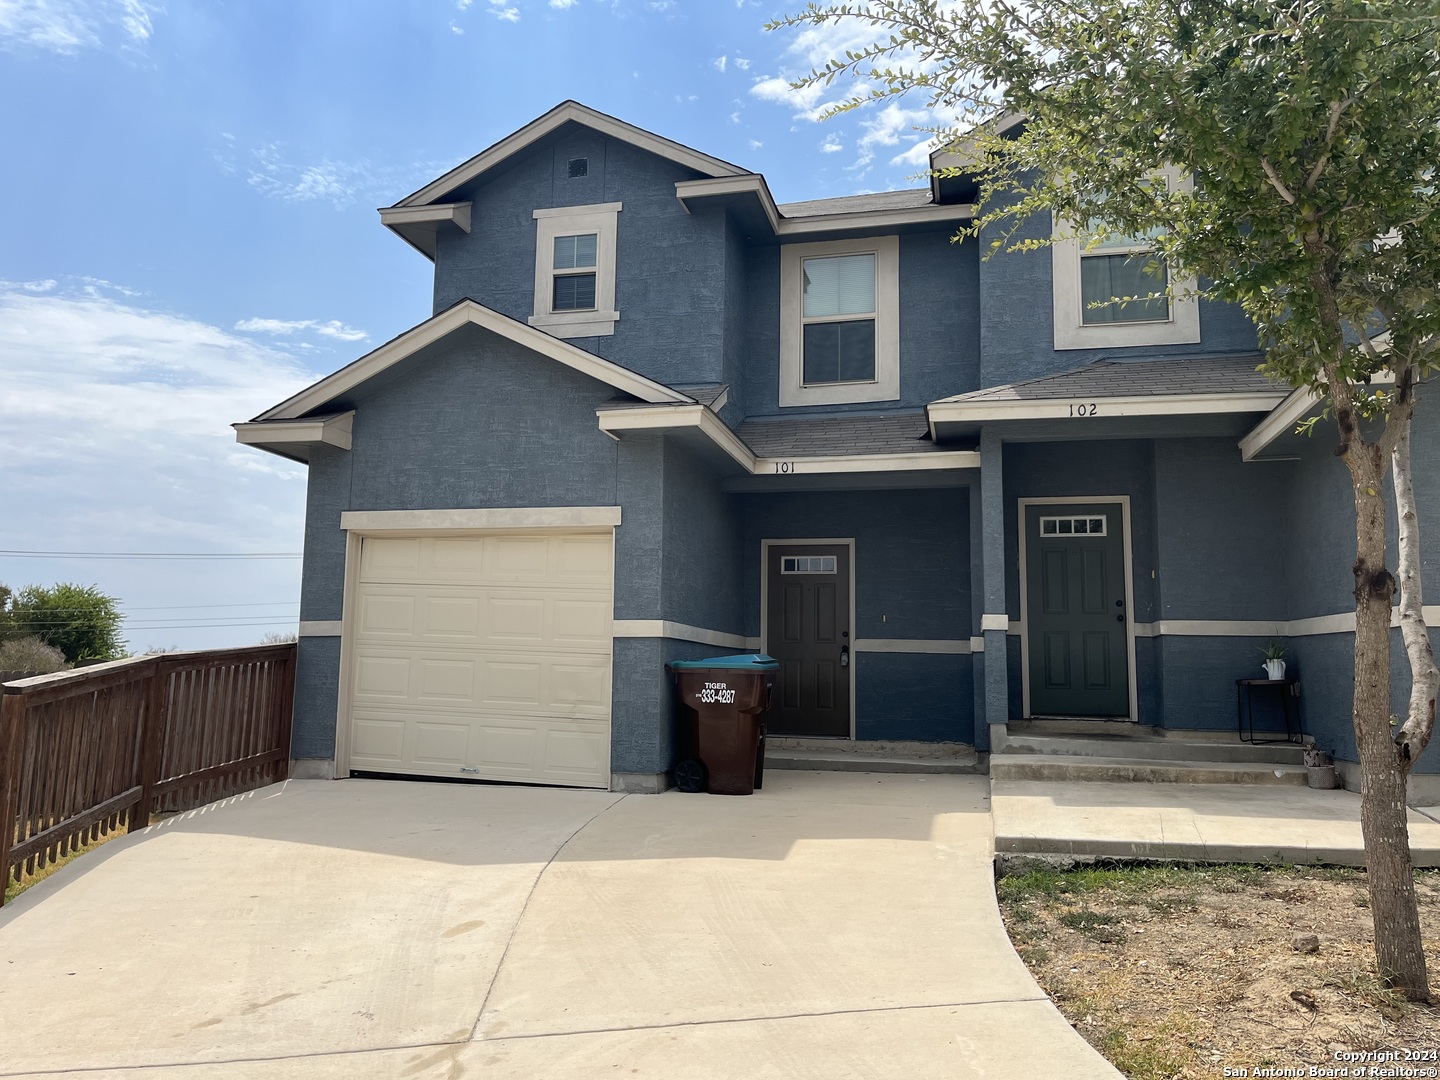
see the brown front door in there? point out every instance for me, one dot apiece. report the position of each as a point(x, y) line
point(807, 629)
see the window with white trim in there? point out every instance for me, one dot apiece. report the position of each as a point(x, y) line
point(1114, 292)
point(575, 270)
point(1087, 525)
point(807, 564)
point(840, 321)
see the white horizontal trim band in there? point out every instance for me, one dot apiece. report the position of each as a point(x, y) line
point(508, 517)
point(977, 643)
point(1140, 405)
point(320, 628)
point(664, 628)
point(1342, 622)
point(947, 646)
point(995, 622)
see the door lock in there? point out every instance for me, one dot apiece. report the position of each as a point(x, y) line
point(844, 655)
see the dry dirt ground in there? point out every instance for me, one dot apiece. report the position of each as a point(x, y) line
point(1182, 972)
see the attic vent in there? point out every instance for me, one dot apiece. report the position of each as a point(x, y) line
point(579, 166)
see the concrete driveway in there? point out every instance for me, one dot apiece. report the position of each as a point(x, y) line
point(832, 926)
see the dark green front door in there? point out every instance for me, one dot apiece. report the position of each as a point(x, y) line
point(1075, 610)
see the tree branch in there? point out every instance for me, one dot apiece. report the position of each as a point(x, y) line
point(1419, 725)
point(1276, 182)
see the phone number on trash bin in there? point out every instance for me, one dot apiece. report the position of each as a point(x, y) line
point(717, 692)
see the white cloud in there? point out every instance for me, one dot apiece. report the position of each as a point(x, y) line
point(67, 26)
point(463, 5)
point(735, 117)
point(756, 144)
point(741, 63)
point(832, 145)
point(562, 5)
point(455, 29)
point(719, 63)
point(499, 9)
point(270, 170)
point(115, 433)
point(917, 157)
point(281, 327)
point(884, 127)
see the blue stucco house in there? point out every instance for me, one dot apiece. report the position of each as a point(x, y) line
point(655, 415)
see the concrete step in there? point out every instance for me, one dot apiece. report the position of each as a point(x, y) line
point(845, 755)
point(1062, 767)
point(1157, 749)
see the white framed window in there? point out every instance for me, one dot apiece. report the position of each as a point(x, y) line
point(807, 564)
point(1089, 525)
point(1086, 276)
point(840, 321)
point(575, 270)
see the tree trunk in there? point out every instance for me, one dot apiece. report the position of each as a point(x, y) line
point(1419, 722)
point(1383, 819)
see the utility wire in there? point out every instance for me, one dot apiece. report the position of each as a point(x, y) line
point(182, 555)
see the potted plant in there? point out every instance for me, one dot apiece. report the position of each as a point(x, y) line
point(1274, 653)
point(1320, 770)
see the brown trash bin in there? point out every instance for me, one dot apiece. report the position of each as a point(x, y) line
point(730, 695)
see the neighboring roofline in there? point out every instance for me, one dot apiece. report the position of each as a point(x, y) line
point(467, 313)
point(698, 416)
point(286, 437)
point(537, 129)
point(960, 151)
point(417, 225)
point(754, 183)
point(1283, 419)
point(951, 411)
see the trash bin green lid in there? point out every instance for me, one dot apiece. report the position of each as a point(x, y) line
point(744, 662)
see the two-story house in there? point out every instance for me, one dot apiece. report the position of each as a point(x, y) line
point(656, 415)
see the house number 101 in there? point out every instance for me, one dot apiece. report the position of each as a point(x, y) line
point(784, 466)
point(1083, 408)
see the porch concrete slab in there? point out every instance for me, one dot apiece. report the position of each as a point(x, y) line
point(833, 925)
point(1190, 822)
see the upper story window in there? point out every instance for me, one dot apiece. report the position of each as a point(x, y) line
point(1092, 280)
point(575, 270)
point(840, 321)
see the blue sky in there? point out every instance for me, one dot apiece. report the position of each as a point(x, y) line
point(191, 236)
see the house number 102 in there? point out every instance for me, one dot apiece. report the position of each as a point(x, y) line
point(1083, 408)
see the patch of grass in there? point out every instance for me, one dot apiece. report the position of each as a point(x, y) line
point(1095, 925)
point(1160, 1054)
point(14, 888)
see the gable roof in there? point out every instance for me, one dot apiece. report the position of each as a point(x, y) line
point(564, 113)
point(458, 315)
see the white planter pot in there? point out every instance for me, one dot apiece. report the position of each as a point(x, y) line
point(1275, 669)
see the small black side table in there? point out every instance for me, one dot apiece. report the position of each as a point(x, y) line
point(1245, 708)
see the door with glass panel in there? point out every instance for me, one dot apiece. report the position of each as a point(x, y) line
point(1077, 625)
point(807, 629)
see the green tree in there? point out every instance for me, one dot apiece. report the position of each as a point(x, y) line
point(1311, 129)
point(79, 620)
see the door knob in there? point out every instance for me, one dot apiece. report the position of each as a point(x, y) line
point(1119, 618)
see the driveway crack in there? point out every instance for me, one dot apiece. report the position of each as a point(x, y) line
point(519, 919)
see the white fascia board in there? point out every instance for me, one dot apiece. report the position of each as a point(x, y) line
point(464, 313)
point(699, 416)
point(330, 430)
point(564, 113)
point(950, 411)
point(679, 416)
point(1290, 412)
point(808, 226)
point(480, 519)
point(457, 213)
point(1280, 421)
point(868, 463)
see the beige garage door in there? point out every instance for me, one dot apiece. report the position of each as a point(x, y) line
point(485, 656)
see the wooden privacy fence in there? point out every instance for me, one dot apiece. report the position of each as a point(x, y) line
point(83, 751)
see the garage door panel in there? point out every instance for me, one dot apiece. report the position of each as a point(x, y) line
point(455, 618)
point(387, 615)
point(377, 741)
point(382, 677)
point(485, 655)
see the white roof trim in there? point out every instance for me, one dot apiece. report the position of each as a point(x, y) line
point(754, 183)
point(565, 113)
point(1288, 414)
point(501, 517)
point(700, 416)
point(949, 410)
point(468, 312)
point(330, 430)
point(434, 213)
